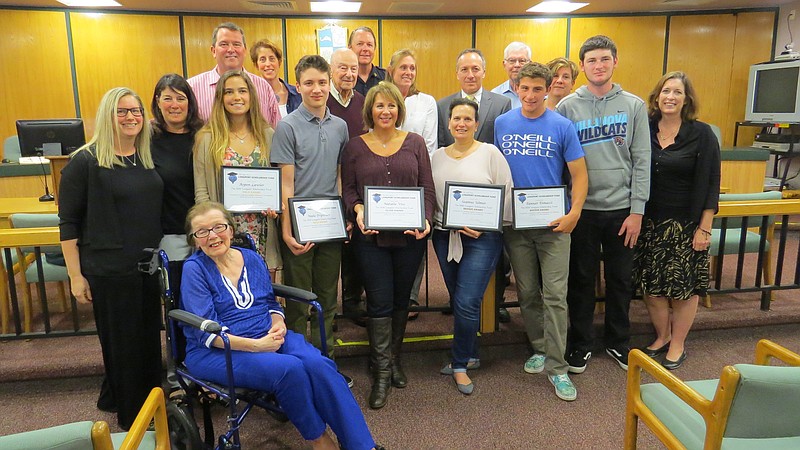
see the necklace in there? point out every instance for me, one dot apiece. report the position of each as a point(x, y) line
point(459, 154)
point(384, 144)
point(128, 159)
point(241, 139)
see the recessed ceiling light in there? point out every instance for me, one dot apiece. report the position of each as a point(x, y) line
point(556, 6)
point(89, 3)
point(335, 7)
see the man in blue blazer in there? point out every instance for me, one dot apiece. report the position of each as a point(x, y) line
point(470, 72)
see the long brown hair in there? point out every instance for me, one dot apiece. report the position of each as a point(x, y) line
point(219, 128)
point(690, 107)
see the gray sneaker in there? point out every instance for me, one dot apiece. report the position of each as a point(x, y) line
point(534, 364)
point(565, 390)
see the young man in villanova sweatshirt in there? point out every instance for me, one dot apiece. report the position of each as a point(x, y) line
point(614, 133)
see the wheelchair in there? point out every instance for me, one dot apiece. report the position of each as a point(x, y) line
point(184, 432)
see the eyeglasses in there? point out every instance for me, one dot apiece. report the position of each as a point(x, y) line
point(205, 232)
point(521, 61)
point(137, 112)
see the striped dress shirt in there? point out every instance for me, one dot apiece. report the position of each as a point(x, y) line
point(204, 85)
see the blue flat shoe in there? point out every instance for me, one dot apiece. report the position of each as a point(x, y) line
point(465, 389)
point(472, 364)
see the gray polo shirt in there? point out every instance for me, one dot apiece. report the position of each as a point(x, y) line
point(314, 147)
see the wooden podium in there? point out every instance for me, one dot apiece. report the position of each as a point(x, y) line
point(56, 164)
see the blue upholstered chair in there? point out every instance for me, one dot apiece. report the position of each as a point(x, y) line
point(52, 272)
point(11, 150)
point(733, 233)
point(96, 435)
point(751, 406)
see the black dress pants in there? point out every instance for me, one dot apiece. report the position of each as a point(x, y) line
point(127, 312)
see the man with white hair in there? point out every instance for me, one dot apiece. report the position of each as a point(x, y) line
point(515, 56)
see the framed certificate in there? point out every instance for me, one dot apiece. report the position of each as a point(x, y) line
point(251, 189)
point(319, 219)
point(477, 206)
point(536, 207)
point(394, 208)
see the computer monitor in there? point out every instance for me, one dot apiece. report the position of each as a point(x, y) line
point(50, 137)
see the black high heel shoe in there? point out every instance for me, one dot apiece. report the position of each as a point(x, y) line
point(653, 352)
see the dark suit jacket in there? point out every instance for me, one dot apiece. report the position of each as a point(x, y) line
point(492, 105)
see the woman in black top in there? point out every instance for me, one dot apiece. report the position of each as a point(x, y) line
point(175, 122)
point(671, 259)
point(110, 210)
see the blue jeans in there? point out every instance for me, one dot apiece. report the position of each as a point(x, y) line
point(466, 282)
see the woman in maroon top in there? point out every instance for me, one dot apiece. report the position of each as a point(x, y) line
point(389, 260)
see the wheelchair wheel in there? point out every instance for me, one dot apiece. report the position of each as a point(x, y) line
point(183, 432)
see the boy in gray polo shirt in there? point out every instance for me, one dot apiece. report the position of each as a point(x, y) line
point(307, 146)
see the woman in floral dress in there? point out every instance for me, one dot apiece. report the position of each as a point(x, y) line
point(236, 135)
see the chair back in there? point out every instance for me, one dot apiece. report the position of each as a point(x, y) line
point(11, 150)
point(766, 404)
point(20, 220)
point(717, 132)
point(754, 221)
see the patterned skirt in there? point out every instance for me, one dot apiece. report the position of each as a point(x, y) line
point(254, 224)
point(664, 263)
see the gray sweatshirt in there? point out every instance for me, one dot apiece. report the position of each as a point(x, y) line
point(615, 135)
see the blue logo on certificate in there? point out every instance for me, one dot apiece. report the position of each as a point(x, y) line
point(232, 177)
point(521, 197)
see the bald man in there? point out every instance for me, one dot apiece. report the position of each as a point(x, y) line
point(345, 102)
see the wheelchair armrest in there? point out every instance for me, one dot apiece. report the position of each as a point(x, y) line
point(209, 326)
point(293, 293)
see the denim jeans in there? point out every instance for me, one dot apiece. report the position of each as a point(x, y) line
point(388, 272)
point(466, 282)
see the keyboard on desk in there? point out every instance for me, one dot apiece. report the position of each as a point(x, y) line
point(34, 160)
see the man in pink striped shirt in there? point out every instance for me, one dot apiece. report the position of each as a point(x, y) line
point(229, 49)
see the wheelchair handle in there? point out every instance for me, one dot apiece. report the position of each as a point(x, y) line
point(209, 326)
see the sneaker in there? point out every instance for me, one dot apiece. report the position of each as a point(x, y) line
point(347, 380)
point(565, 390)
point(577, 361)
point(620, 355)
point(534, 364)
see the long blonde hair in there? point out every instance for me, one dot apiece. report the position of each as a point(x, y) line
point(107, 131)
point(219, 128)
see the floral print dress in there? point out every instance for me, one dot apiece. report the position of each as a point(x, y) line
point(254, 224)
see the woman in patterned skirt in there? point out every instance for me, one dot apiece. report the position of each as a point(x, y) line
point(236, 135)
point(671, 259)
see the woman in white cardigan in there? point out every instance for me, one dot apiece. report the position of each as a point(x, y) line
point(421, 113)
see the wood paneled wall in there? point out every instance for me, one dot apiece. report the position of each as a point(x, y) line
point(436, 44)
point(35, 75)
point(547, 39)
point(122, 50)
point(136, 49)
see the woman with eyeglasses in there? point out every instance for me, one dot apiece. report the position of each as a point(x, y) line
point(236, 135)
point(110, 210)
point(232, 287)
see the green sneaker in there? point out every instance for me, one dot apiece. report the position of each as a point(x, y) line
point(534, 364)
point(565, 390)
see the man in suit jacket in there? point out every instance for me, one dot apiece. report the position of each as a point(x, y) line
point(470, 71)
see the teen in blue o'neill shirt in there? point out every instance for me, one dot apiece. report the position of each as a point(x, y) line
point(538, 144)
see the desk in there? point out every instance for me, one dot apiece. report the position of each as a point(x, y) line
point(24, 180)
point(743, 169)
point(30, 205)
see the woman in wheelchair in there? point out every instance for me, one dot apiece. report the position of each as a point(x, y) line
point(232, 287)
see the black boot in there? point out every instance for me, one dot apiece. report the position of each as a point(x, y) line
point(399, 320)
point(380, 340)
